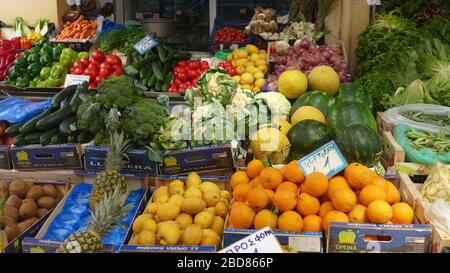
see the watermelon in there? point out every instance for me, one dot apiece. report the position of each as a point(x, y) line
point(306, 137)
point(345, 113)
point(360, 144)
point(349, 92)
point(317, 99)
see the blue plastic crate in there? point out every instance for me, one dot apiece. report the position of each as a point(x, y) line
point(218, 24)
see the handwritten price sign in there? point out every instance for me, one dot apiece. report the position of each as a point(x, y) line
point(75, 80)
point(144, 45)
point(327, 160)
point(262, 241)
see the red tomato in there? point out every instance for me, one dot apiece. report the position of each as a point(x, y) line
point(106, 65)
point(84, 61)
point(232, 72)
point(98, 56)
point(78, 71)
point(191, 74)
point(92, 86)
point(113, 60)
point(182, 77)
point(117, 68)
point(183, 87)
point(99, 79)
point(172, 89)
point(104, 72)
point(92, 72)
point(193, 65)
point(177, 82)
point(183, 63)
point(118, 73)
point(80, 63)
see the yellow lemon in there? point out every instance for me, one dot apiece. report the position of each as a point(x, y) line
point(256, 89)
point(139, 222)
point(229, 57)
point(249, 64)
point(307, 112)
point(251, 69)
point(151, 208)
point(247, 87)
point(150, 224)
point(240, 70)
point(262, 68)
point(260, 62)
point(260, 83)
point(263, 55)
point(262, 51)
point(258, 75)
point(251, 49)
point(242, 54)
point(237, 78)
point(247, 78)
point(240, 62)
point(255, 57)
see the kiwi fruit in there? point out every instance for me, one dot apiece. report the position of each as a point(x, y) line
point(50, 190)
point(12, 212)
point(6, 220)
point(41, 212)
point(24, 225)
point(35, 192)
point(18, 188)
point(28, 210)
point(27, 200)
point(46, 202)
point(12, 231)
point(13, 201)
point(29, 183)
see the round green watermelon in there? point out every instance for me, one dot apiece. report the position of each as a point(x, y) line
point(306, 137)
point(349, 92)
point(359, 144)
point(317, 99)
point(346, 113)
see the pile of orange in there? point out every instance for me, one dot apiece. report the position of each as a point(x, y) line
point(285, 199)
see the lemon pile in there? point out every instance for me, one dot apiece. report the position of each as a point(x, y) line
point(183, 213)
point(251, 66)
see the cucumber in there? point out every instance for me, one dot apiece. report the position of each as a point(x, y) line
point(165, 87)
point(84, 137)
point(158, 86)
point(64, 126)
point(58, 138)
point(151, 81)
point(142, 73)
point(30, 126)
point(76, 101)
point(169, 78)
point(13, 130)
point(157, 72)
point(161, 53)
point(33, 138)
point(61, 96)
point(145, 81)
point(54, 119)
point(46, 137)
point(19, 140)
point(166, 68)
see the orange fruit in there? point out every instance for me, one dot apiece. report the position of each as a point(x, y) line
point(265, 218)
point(325, 208)
point(302, 187)
point(307, 204)
point(393, 195)
point(284, 200)
point(402, 213)
point(316, 184)
point(292, 172)
point(336, 183)
point(239, 177)
point(334, 216)
point(389, 223)
point(255, 182)
point(371, 193)
point(257, 198)
point(235, 204)
point(242, 217)
point(358, 214)
point(380, 181)
point(270, 178)
point(270, 194)
point(359, 176)
point(379, 212)
point(344, 200)
point(312, 223)
point(288, 186)
point(290, 221)
point(241, 191)
point(254, 168)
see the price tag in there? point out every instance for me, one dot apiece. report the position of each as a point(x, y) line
point(144, 45)
point(327, 160)
point(262, 241)
point(72, 79)
point(373, 2)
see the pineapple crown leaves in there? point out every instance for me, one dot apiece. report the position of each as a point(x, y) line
point(109, 211)
point(112, 120)
point(116, 156)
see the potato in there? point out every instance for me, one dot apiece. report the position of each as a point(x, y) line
point(46, 202)
point(27, 200)
point(50, 190)
point(24, 225)
point(41, 212)
point(7, 220)
point(12, 212)
point(18, 188)
point(28, 210)
point(35, 192)
point(28, 182)
point(13, 201)
point(12, 231)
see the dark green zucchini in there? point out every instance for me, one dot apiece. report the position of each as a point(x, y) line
point(76, 101)
point(157, 71)
point(63, 94)
point(54, 119)
point(33, 138)
point(84, 137)
point(64, 126)
point(46, 137)
point(19, 140)
point(58, 138)
point(30, 126)
point(151, 81)
point(13, 130)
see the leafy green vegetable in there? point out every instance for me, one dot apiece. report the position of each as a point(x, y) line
point(415, 92)
point(379, 86)
point(437, 27)
point(117, 92)
point(121, 39)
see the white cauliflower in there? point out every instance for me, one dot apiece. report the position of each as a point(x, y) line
point(240, 99)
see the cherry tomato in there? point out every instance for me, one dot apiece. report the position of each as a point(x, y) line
point(80, 63)
point(98, 56)
point(183, 63)
point(183, 87)
point(118, 73)
point(193, 65)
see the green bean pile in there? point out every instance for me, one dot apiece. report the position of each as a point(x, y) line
point(438, 120)
point(437, 142)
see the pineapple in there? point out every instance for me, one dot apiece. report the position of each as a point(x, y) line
point(106, 181)
point(109, 211)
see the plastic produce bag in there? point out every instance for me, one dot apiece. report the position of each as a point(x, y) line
point(423, 156)
point(438, 213)
point(15, 110)
point(394, 116)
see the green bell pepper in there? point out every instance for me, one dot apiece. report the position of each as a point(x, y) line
point(41, 42)
point(13, 73)
point(53, 82)
point(33, 58)
point(46, 60)
point(21, 62)
point(41, 84)
point(34, 69)
point(45, 73)
point(46, 49)
point(56, 53)
point(32, 84)
point(22, 82)
point(26, 53)
point(57, 71)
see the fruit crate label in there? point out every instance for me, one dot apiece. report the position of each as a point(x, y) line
point(144, 45)
point(72, 79)
point(328, 160)
point(262, 241)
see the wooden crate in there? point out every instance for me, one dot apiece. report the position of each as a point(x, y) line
point(382, 125)
point(440, 237)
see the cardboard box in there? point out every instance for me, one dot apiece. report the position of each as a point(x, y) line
point(5, 160)
point(95, 156)
point(207, 158)
point(35, 244)
point(441, 238)
point(61, 181)
point(49, 157)
point(222, 182)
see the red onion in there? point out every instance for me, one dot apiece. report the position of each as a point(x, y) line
point(326, 54)
point(305, 44)
point(289, 52)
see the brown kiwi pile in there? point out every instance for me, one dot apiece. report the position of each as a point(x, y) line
point(25, 204)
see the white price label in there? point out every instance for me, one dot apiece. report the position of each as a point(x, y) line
point(72, 79)
point(327, 160)
point(373, 2)
point(144, 45)
point(262, 241)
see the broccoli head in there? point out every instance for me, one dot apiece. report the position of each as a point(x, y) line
point(119, 92)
